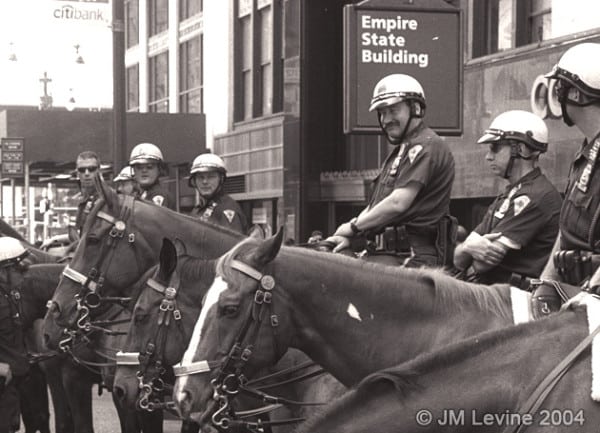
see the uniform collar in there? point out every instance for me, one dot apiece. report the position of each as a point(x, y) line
point(527, 178)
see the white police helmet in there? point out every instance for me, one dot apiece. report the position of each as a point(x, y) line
point(518, 125)
point(208, 162)
point(144, 153)
point(580, 67)
point(126, 173)
point(394, 88)
point(11, 250)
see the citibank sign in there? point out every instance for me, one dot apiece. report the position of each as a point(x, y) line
point(69, 12)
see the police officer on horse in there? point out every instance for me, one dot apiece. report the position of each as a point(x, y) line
point(409, 206)
point(513, 241)
point(576, 253)
point(148, 165)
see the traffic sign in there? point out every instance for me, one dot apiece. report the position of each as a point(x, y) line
point(12, 157)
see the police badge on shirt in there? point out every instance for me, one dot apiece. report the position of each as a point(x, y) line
point(158, 200)
point(230, 215)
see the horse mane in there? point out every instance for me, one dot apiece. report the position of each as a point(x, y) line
point(449, 294)
point(405, 376)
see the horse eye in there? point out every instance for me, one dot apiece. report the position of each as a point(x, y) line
point(140, 317)
point(229, 310)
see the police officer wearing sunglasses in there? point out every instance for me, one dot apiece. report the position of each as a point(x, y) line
point(513, 241)
point(576, 254)
point(87, 168)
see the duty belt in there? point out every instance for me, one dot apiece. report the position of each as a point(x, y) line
point(400, 239)
point(576, 266)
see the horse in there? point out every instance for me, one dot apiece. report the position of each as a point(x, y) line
point(119, 243)
point(70, 383)
point(490, 383)
point(161, 326)
point(350, 317)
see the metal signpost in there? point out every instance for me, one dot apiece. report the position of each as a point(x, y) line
point(419, 38)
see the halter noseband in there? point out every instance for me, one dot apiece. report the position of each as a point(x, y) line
point(231, 377)
point(89, 297)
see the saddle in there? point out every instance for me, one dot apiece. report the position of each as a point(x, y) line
point(547, 296)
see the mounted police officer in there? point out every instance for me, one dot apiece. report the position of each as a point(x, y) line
point(513, 241)
point(87, 167)
point(409, 205)
point(148, 165)
point(14, 364)
point(576, 253)
point(125, 182)
point(208, 175)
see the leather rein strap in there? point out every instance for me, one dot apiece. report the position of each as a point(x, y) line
point(545, 387)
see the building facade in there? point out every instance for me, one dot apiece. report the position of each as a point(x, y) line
point(268, 74)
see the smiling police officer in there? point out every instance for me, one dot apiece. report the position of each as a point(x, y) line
point(411, 196)
point(148, 165)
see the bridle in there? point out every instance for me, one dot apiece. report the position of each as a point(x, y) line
point(89, 297)
point(230, 379)
point(151, 360)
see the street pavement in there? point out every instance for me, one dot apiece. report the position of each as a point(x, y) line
point(106, 419)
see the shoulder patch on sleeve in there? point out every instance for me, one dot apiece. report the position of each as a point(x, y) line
point(521, 203)
point(230, 214)
point(158, 200)
point(412, 153)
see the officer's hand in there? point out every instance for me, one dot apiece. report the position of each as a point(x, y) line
point(344, 230)
point(484, 249)
point(341, 242)
point(5, 372)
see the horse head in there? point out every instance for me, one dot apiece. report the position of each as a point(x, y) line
point(162, 322)
point(111, 256)
point(237, 331)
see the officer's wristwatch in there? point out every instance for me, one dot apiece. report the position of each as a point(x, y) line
point(355, 230)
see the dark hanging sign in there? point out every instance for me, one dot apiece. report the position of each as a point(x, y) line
point(12, 157)
point(424, 42)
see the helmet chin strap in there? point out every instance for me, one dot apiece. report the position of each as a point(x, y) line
point(514, 154)
point(396, 141)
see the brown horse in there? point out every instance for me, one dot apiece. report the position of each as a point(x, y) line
point(352, 318)
point(480, 384)
point(161, 326)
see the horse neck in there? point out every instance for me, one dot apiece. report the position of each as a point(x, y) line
point(201, 239)
point(391, 398)
point(354, 318)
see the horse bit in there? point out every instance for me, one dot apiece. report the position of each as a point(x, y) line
point(231, 380)
point(89, 298)
point(155, 349)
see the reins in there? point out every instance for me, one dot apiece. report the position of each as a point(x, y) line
point(231, 380)
point(544, 388)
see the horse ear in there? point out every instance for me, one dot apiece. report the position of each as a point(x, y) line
point(268, 249)
point(180, 247)
point(168, 258)
point(73, 234)
point(106, 192)
point(256, 232)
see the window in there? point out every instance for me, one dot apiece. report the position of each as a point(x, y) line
point(189, 8)
point(159, 83)
point(132, 19)
point(191, 81)
point(258, 59)
point(505, 24)
point(133, 88)
point(158, 16)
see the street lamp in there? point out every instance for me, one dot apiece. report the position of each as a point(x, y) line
point(71, 102)
point(12, 56)
point(78, 58)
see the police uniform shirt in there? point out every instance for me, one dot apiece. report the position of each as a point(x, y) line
point(527, 215)
point(223, 211)
point(582, 200)
point(158, 195)
point(84, 207)
point(425, 159)
point(12, 346)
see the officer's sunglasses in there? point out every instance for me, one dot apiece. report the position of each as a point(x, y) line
point(90, 169)
point(565, 91)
